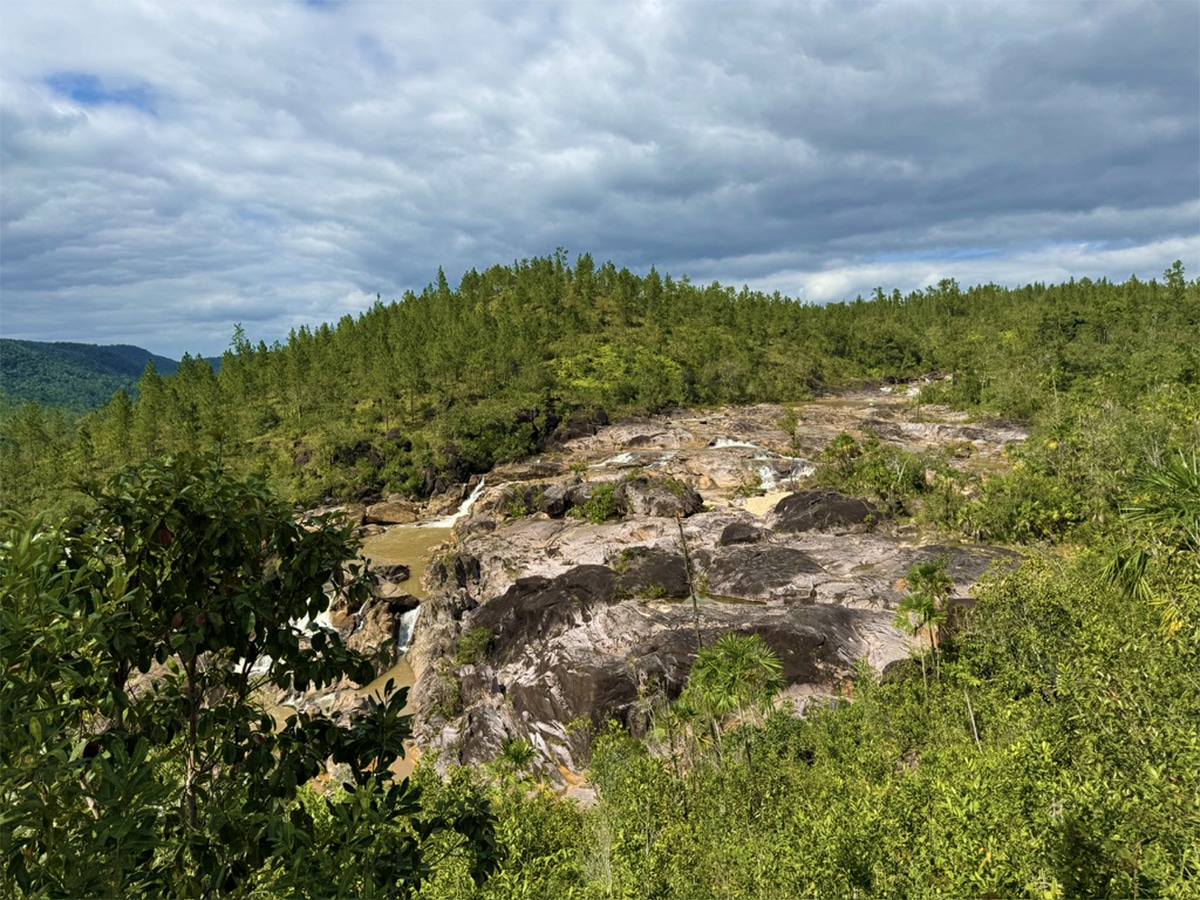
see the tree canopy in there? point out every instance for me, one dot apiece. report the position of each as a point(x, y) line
point(139, 757)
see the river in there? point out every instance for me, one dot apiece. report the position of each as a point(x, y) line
point(409, 545)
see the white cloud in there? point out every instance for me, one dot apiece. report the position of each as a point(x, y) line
point(276, 164)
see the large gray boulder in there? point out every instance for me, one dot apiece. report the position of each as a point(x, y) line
point(823, 510)
point(659, 497)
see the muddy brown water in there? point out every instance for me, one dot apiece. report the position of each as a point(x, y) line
point(408, 545)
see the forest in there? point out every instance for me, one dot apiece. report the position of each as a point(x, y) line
point(1049, 747)
point(77, 377)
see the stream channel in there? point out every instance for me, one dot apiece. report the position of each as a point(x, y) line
point(409, 545)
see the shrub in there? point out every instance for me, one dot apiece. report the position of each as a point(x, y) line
point(472, 647)
point(601, 505)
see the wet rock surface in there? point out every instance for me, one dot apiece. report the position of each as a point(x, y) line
point(582, 619)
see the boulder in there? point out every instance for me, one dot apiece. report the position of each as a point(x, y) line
point(393, 572)
point(740, 533)
point(649, 571)
point(377, 627)
point(759, 572)
point(658, 497)
point(537, 609)
point(396, 512)
point(823, 510)
point(554, 500)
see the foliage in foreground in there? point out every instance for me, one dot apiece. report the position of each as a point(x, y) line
point(138, 758)
point(1053, 751)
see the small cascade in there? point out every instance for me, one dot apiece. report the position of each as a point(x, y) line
point(404, 630)
point(306, 626)
point(771, 479)
point(465, 507)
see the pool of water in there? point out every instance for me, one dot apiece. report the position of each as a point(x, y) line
point(407, 545)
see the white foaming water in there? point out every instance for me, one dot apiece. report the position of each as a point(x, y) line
point(465, 507)
point(722, 443)
point(322, 622)
point(404, 633)
point(769, 479)
point(621, 459)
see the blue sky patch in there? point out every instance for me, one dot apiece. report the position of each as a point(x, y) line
point(89, 90)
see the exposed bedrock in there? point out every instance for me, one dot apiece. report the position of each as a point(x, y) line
point(823, 510)
point(606, 614)
point(540, 617)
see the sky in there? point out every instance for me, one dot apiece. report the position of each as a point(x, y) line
point(168, 170)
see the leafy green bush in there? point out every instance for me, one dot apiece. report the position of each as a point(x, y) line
point(116, 784)
point(472, 647)
point(600, 506)
point(1020, 506)
point(891, 475)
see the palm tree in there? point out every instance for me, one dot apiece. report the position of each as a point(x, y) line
point(515, 755)
point(924, 604)
point(1170, 501)
point(1166, 518)
point(736, 676)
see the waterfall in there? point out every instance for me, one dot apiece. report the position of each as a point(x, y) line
point(404, 630)
point(465, 507)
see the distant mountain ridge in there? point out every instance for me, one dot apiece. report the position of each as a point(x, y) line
point(70, 375)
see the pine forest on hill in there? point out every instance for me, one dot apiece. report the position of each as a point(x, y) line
point(414, 395)
point(1049, 747)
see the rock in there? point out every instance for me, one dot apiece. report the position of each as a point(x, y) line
point(555, 500)
point(562, 691)
point(394, 572)
point(483, 736)
point(579, 494)
point(378, 625)
point(460, 570)
point(823, 510)
point(585, 620)
point(396, 512)
point(478, 682)
point(386, 582)
point(660, 497)
point(727, 468)
point(477, 524)
point(537, 609)
point(763, 572)
point(581, 424)
point(651, 572)
point(966, 564)
point(740, 533)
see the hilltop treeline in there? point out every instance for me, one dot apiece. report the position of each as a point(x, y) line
point(73, 376)
point(1046, 745)
point(423, 392)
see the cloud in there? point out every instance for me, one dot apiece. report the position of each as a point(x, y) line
point(170, 170)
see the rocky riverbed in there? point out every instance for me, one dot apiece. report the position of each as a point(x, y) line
point(537, 616)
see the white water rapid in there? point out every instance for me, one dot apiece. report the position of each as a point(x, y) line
point(465, 507)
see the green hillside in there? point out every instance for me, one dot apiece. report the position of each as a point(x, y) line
point(420, 393)
point(1046, 745)
point(72, 376)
